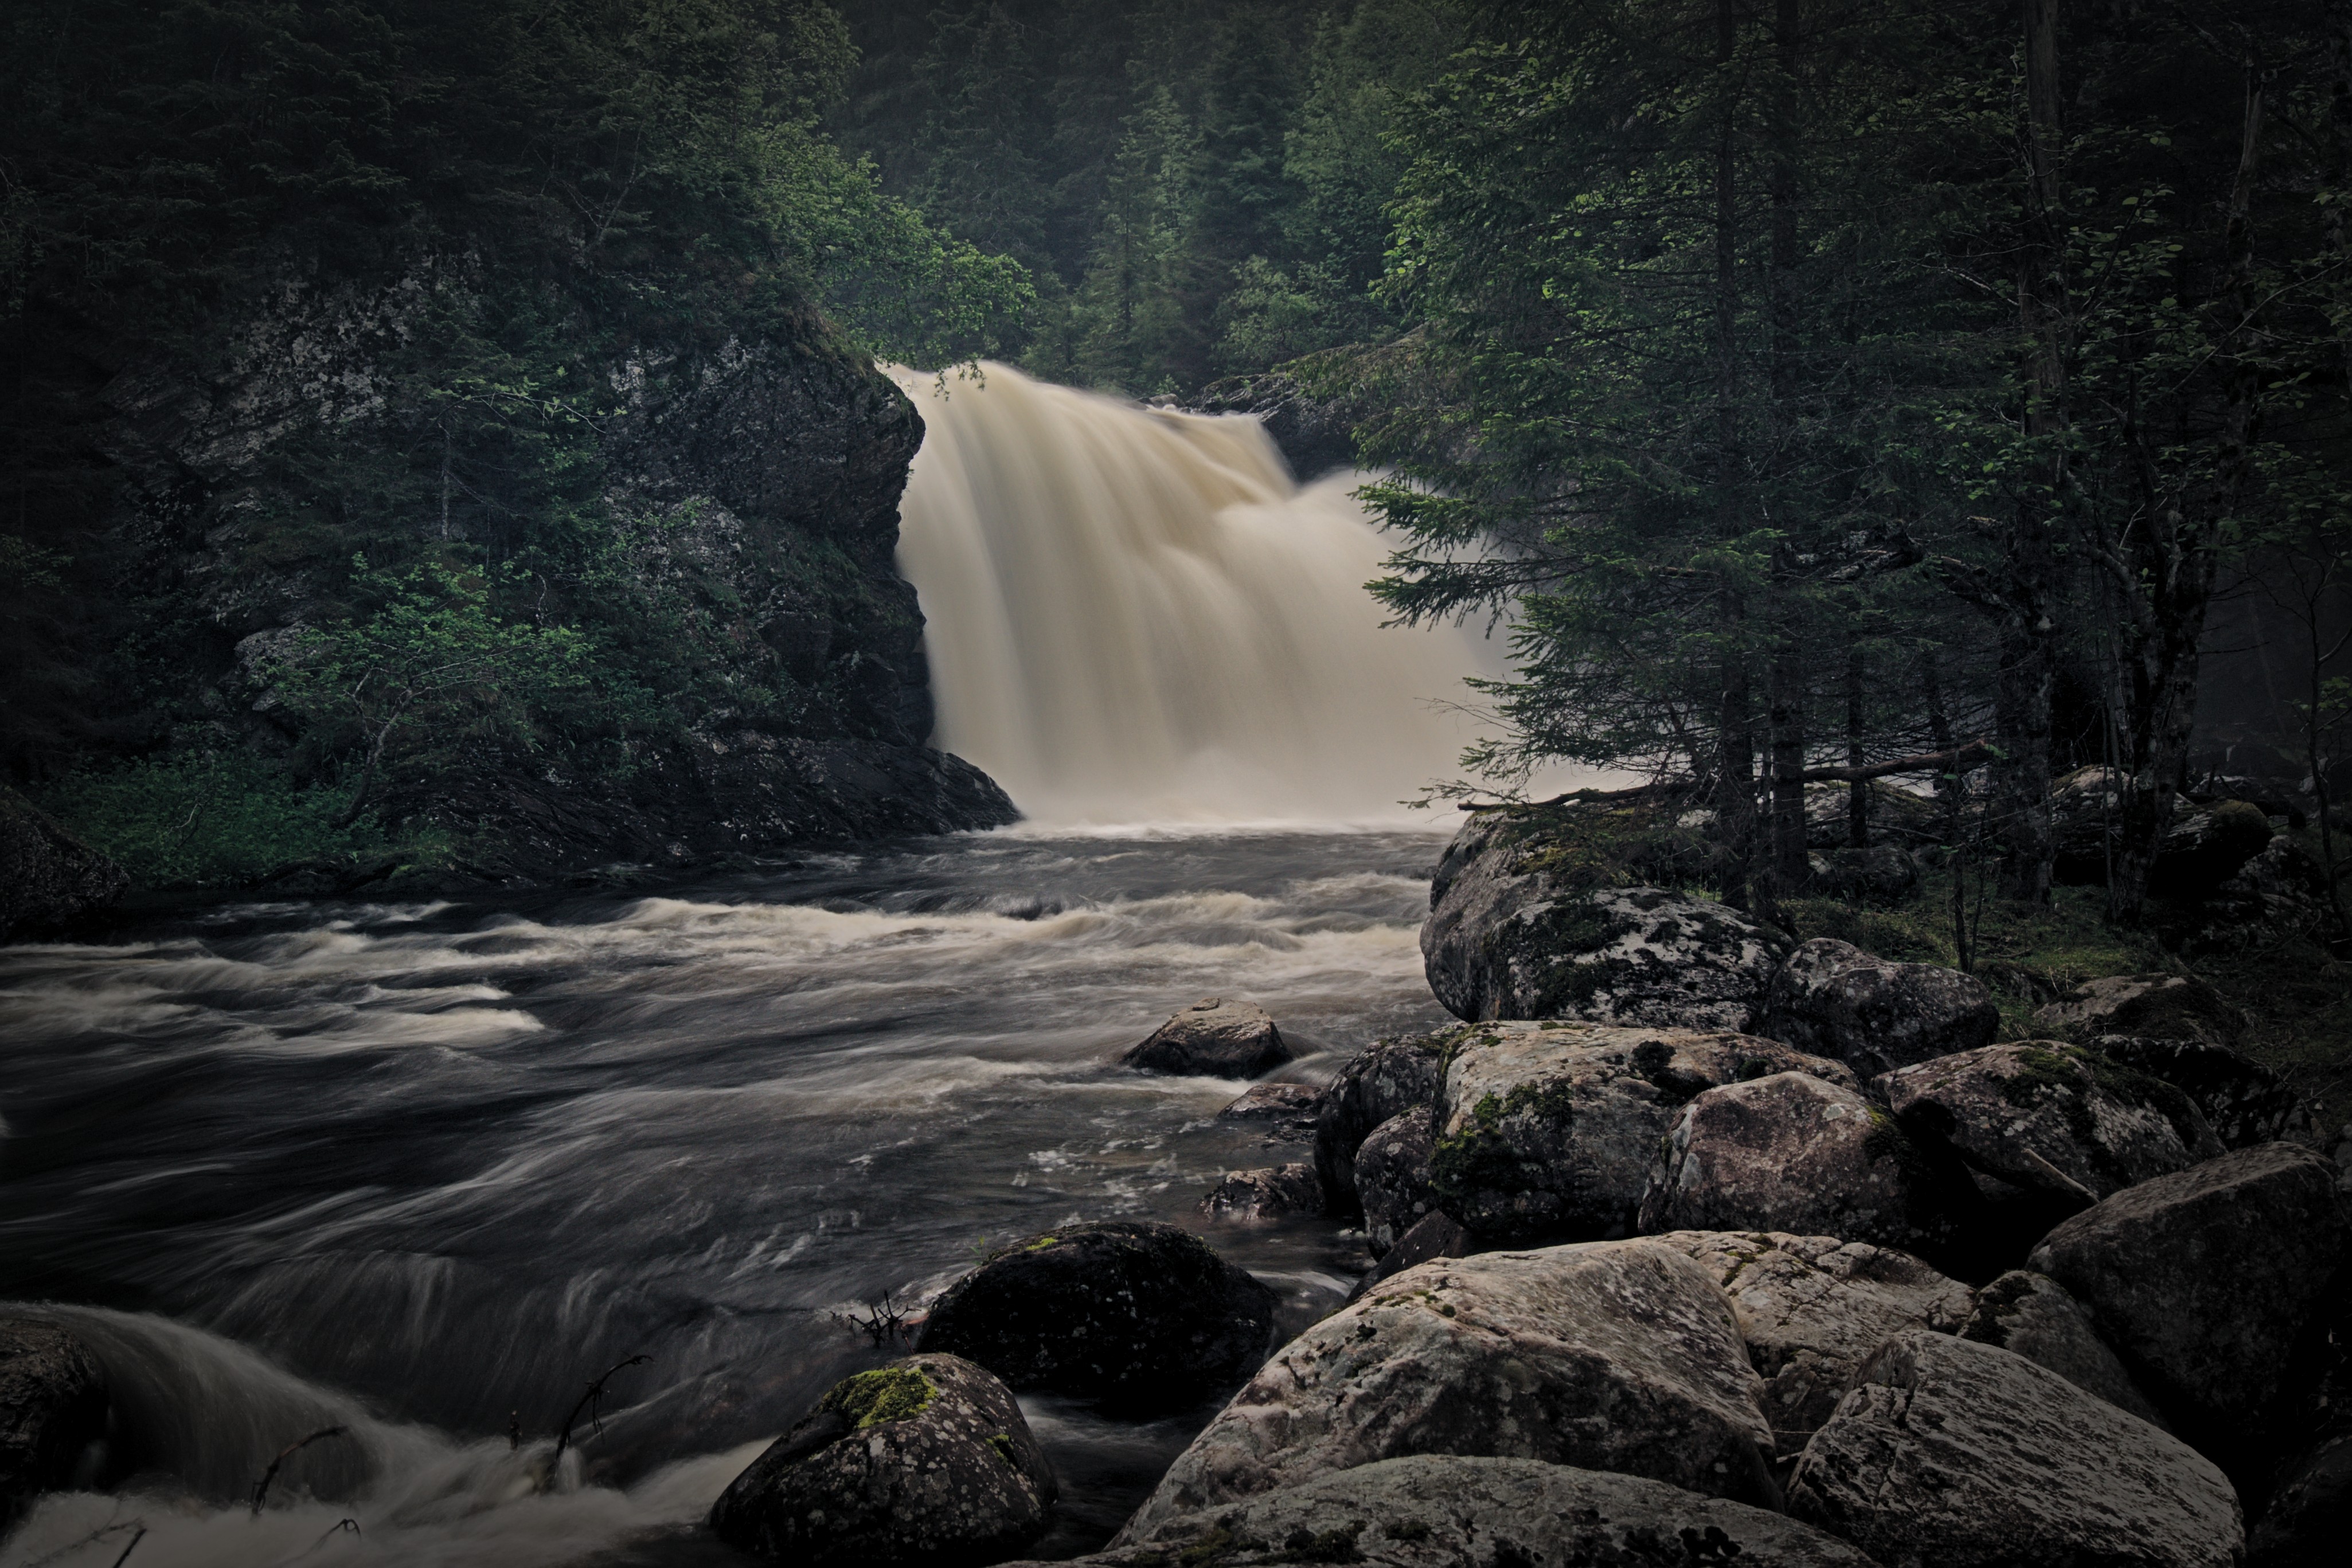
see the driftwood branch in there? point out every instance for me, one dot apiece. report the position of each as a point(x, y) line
point(261, 1486)
point(338, 1527)
point(591, 1401)
point(1638, 791)
point(1958, 760)
point(137, 1528)
point(881, 1323)
point(132, 1545)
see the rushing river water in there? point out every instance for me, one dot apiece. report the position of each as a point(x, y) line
point(420, 1170)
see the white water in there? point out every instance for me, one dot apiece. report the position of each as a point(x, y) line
point(1135, 616)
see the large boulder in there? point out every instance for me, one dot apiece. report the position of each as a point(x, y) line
point(1879, 874)
point(1286, 1112)
point(1213, 1037)
point(2051, 1118)
point(1444, 1510)
point(1273, 1192)
point(2310, 1506)
point(925, 1462)
point(2203, 849)
point(2242, 1100)
point(52, 1407)
point(1547, 1130)
point(1512, 934)
point(1129, 1310)
point(1894, 815)
point(47, 876)
point(2202, 1280)
point(1951, 1454)
point(1832, 998)
point(2154, 1007)
point(2282, 892)
point(1796, 1153)
point(1375, 1086)
point(1392, 1177)
point(1813, 1308)
point(1613, 1355)
point(2032, 1316)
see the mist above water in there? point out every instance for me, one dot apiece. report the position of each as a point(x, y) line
point(1135, 616)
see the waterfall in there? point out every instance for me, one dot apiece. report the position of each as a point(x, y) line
point(1135, 616)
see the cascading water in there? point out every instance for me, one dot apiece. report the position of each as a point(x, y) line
point(1134, 615)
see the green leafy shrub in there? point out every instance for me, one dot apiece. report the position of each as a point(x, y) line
point(210, 819)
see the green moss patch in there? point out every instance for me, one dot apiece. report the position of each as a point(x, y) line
point(886, 1394)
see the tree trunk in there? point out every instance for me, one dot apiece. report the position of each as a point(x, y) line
point(1857, 799)
point(1789, 865)
point(1736, 790)
point(1734, 799)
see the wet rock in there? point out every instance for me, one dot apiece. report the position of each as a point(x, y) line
point(1443, 1511)
point(1213, 1037)
point(1286, 1110)
point(1548, 1130)
point(1131, 1310)
point(1879, 874)
point(2201, 1281)
point(1392, 1177)
point(2242, 1100)
point(52, 1407)
point(924, 1461)
point(1951, 1454)
point(1276, 1192)
point(48, 877)
point(1375, 1086)
point(1315, 432)
point(2032, 1316)
point(2051, 1118)
point(1437, 1235)
point(1507, 938)
point(1615, 1356)
point(1834, 999)
point(1795, 1153)
point(1812, 1309)
point(2153, 1007)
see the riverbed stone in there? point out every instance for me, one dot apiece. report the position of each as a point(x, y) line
point(1445, 1510)
point(1392, 1177)
point(2032, 1315)
point(1796, 1153)
point(1128, 1310)
point(1832, 998)
point(1216, 1037)
point(53, 1401)
point(1812, 1309)
point(1286, 1112)
point(1952, 1454)
point(1375, 1086)
point(2202, 1280)
point(1274, 1192)
point(1616, 1355)
point(2153, 1007)
point(1547, 1130)
point(2051, 1117)
point(924, 1461)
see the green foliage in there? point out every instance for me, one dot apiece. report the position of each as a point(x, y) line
point(210, 819)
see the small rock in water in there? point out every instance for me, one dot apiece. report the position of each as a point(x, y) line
point(924, 1461)
point(1444, 1510)
point(53, 1401)
point(1213, 1037)
point(1286, 1111)
point(1615, 1356)
point(2032, 1315)
point(1392, 1177)
point(1276, 1192)
point(1834, 999)
point(1951, 1454)
point(1130, 1310)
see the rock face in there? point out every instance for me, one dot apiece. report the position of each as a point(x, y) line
point(1130, 1310)
point(1435, 1236)
point(924, 1461)
point(1392, 1177)
point(1315, 435)
point(1277, 1192)
point(2202, 1280)
point(1444, 1511)
point(1213, 1037)
point(2242, 1100)
point(2032, 1316)
point(1506, 939)
point(2154, 1007)
point(1832, 998)
point(1286, 1110)
point(1375, 1086)
point(1618, 1355)
point(1791, 1151)
point(47, 875)
point(52, 1406)
point(1951, 1454)
point(2051, 1118)
point(1812, 1309)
